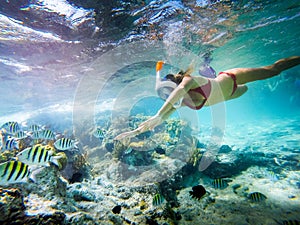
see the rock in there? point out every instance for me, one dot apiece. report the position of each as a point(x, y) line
point(138, 212)
point(12, 210)
point(235, 187)
point(200, 145)
point(115, 219)
point(229, 165)
point(225, 149)
point(109, 146)
point(57, 218)
point(11, 205)
point(124, 193)
point(76, 177)
point(81, 219)
point(81, 192)
point(151, 221)
point(160, 150)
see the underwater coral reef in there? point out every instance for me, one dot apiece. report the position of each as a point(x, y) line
point(154, 179)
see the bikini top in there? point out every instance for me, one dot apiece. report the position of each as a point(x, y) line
point(203, 90)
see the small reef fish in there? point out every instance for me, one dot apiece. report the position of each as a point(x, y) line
point(158, 199)
point(64, 144)
point(41, 155)
point(257, 197)
point(34, 127)
point(198, 192)
point(219, 183)
point(100, 133)
point(44, 134)
point(20, 135)
point(116, 209)
point(9, 144)
point(291, 222)
point(11, 127)
point(13, 172)
point(35, 135)
point(272, 176)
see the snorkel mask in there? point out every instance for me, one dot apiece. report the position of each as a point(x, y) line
point(164, 86)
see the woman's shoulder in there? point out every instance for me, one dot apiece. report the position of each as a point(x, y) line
point(199, 80)
point(188, 80)
point(193, 81)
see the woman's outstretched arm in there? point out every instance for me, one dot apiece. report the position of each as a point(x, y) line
point(165, 111)
point(149, 124)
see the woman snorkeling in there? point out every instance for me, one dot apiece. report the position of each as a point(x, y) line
point(183, 89)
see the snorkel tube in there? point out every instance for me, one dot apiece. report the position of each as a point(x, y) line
point(165, 87)
point(159, 66)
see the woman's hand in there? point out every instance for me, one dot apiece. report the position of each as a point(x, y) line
point(149, 124)
point(127, 135)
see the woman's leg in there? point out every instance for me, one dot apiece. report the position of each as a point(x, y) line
point(241, 89)
point(246, 75)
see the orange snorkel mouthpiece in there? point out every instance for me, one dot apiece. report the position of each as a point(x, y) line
point(159, 65)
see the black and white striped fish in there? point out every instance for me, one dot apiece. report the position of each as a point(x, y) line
point(20, 135)
point(40, 155)
point(43, 134)
point(9, 143)
point(157, 200)
point(257, 197)
point(35, 135)
point(34, 127)
point(291, 222)
point(64, 144)
point(11, 127)
point(13, 172)
point(219, 183)
point(100, 133)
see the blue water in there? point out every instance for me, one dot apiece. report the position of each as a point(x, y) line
point(75, 65)
point(45, 55)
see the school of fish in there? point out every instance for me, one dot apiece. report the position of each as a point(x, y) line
point(43, 150)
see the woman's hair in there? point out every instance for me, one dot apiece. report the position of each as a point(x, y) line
point(177, 78)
